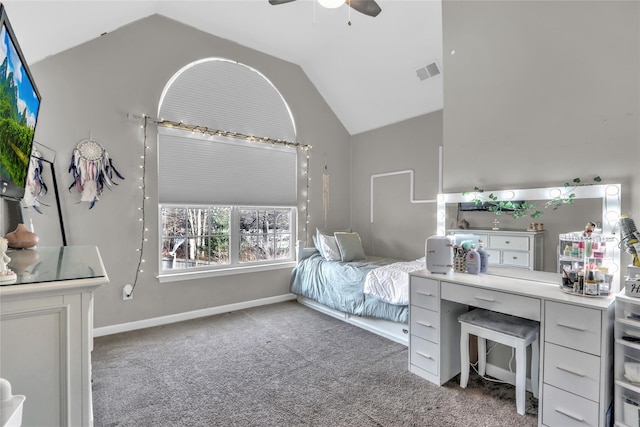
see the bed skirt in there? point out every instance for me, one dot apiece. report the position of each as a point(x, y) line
point(395, 331)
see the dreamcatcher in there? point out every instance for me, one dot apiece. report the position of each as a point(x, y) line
point(92, 169)
point(35, 185)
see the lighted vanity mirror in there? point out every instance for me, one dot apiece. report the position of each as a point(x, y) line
point(595, 203)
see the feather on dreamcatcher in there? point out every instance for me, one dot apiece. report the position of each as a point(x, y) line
point(92, 170)
point(35, 185)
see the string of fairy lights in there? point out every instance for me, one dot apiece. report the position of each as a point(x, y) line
point(146, 120)
point(142, 219)
point(307, 197)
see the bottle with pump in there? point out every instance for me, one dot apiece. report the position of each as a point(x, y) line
point(484, 258)
point(473, 261)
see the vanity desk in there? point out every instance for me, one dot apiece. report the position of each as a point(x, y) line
point(576, 336)
point(46, 324)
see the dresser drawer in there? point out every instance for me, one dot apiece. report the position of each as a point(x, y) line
point(424, 323)
point(572, 370)
point(494, 256)
point(516, 305)
point(484, 238)
point(561, 408)
point(424, 293)
point(573, 326)
point(515, 258)
point(517, 243)
point(424, 354)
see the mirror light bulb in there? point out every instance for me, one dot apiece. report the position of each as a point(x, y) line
point(612, 216)
point(612, 190)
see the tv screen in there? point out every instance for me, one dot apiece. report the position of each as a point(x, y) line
point(19, 106)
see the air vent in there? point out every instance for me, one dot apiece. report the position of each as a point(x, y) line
point(428, 70)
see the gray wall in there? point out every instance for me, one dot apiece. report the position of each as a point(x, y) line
point(539, 93)
point(399, 227)
point(87, 92)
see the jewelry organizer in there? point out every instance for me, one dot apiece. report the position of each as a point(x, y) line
point(584, 261)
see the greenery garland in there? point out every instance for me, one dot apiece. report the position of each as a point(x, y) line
point(519, 210)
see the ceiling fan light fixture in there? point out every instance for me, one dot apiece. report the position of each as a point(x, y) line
point(331, 4)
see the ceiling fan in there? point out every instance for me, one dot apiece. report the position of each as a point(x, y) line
point(368, 7)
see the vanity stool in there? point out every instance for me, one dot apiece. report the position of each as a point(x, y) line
point(509, 330)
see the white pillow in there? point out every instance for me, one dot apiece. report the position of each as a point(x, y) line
point(318, 246)
point(350, 247)
point(328, 232)
point(330, 250)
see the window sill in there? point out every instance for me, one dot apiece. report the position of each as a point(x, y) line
point(202, 274)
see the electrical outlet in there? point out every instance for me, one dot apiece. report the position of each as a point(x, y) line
point(127, 292)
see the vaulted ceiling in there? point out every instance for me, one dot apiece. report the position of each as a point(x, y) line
point(367, 71)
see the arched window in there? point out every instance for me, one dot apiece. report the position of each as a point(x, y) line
point(227, 201)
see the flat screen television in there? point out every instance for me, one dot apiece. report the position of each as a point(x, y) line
point(19, 107)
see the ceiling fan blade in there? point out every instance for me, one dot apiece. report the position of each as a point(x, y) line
point(368, 7)
point(277, 2)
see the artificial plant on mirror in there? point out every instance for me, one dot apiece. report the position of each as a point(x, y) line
point(564, 195)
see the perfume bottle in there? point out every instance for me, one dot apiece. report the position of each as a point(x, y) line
point(484, 257)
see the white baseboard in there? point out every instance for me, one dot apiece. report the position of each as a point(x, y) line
point(165, 320)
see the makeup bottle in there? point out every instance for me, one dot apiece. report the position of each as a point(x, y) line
point(484, 258)
point(473, 261)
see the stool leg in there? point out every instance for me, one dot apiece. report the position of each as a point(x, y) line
point(482, 356)
point(535, 365)
point(464, 357)
point(521, 376)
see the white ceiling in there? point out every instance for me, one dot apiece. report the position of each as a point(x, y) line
point(365, 71)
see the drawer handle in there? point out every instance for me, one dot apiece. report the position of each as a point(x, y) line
point(424, 355)
point(580, 374)
point(428, 325)
point(427, 294)
point(485, 299)
point(507, 241)
point(575, 328)
point(570, 415)
point(515, 257)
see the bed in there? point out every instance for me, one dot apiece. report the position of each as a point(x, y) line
point(369, 292)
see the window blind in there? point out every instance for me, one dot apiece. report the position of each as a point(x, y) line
point(225, 95)
point(195, 168)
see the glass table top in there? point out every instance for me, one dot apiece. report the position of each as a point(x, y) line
point(52, 264)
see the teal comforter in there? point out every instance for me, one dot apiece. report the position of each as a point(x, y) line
point(339, 285)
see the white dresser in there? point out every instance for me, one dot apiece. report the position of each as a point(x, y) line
point(576, 376)
point(46, 324)
point(578, 362)
point(433, 324)
point(511, 248)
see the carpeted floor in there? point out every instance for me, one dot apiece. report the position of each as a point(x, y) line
point(280, 365)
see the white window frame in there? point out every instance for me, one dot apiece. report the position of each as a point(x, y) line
point(234, 266)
